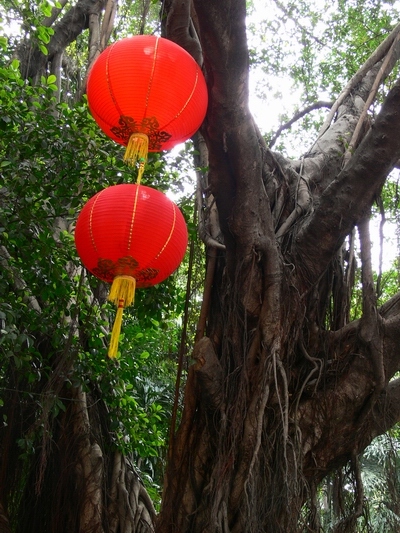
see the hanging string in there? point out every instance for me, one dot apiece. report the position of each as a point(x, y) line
point(122, 292)
point(136, 152)
point(161, 15)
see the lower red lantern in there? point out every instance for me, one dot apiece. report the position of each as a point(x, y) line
point(130, 236)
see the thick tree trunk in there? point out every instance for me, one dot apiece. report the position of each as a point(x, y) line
point(282, 392)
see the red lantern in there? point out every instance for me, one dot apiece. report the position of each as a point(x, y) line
point(130, 236)
point(147, 90)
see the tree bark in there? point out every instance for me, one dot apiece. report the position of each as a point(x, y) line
point(33, 61)
point(280, 395)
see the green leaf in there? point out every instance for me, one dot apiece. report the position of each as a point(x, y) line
point(46, 10)
point(3, 42)
point(44, 34)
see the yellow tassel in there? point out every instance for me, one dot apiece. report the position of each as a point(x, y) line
point(116, 331)
point(123, 288)
point(136, 151)
point(122, 294)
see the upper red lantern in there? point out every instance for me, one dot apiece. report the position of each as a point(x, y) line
point(147, 85)
point(131, 236)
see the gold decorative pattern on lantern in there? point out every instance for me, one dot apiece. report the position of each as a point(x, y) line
point(107, 270)
point(148, 125)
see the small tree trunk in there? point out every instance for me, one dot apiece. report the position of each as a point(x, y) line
point(89, 468)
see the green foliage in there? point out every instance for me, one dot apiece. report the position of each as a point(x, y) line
point(52, 159)
point(136, 18)
point(381, 484)
point(138, 390)
point(304, 52)
point(381, 478)
point(356, 28)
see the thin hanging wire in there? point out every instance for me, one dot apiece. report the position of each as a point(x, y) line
point(161, 16)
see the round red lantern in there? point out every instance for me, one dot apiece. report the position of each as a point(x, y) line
point(147, 93)
point(130, 236)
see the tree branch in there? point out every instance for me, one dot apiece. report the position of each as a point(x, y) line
point(296, 117)
point(377, 56)
point(107, 24)
point(370, 322)
point(386, 67)
point(386, 412)
point(55, 12)
point(348, 198)
point(65, 32)
point(180, 30)
point(235, 158)
point(294, 19)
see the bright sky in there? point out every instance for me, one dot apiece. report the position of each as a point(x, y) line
point(267, 110)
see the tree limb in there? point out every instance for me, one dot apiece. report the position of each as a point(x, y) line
point(347, 199)
point(286, 11)
point(386, 67)
point(179, 28)
point(235, 158)
point(107, 24)
point(379, 53)
point(296, 117)
point(55, 12)
point(384, 415)
point(65, 32)
point(371, 330)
